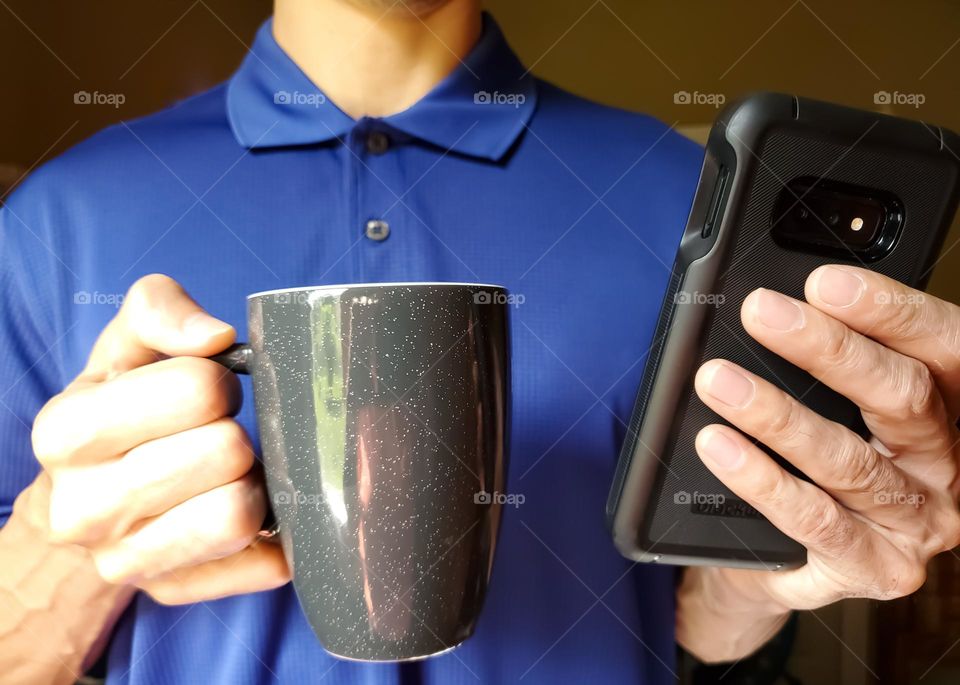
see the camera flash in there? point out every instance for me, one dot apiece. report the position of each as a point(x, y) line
point(856, 224)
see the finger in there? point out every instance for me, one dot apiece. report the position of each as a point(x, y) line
point(212, 525)
point(105, 420)
point(252, 569)
point(157, 317)
point(906, 320)
point(838, 460)
point(901, 404)
point(799, 509)
point(103, 501)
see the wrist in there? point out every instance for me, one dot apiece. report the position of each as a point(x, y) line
point(726, 614)
point(730, 591)
point(52, 589)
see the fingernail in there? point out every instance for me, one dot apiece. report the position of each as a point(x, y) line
point(839, 287)
point(202, 326)
point(778, 312)
point(721, 450)
point(730, 386)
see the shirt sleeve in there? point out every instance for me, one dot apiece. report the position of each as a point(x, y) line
point(30, 371)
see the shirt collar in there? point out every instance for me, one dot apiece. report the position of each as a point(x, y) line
point(479, 109)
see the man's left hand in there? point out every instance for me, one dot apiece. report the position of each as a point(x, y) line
point(878, 509)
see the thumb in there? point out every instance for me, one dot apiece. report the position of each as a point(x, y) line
point(158, 318)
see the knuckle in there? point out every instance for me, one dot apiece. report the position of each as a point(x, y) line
point(821, 523)
point(112, 570)
point(838, 348)
point(240, 518)
point(900, 321)
point(114, 575)
point(784, 420)
point(90, 500)
point(52, 435)
point(76, 515)
point(774, 490)
point(229, 436)
point(910, 392)
point(46, 440)
point(206, 386)
point(65, 526)
point(855, 468)
point(918, 394)
point(64, 532)
point(230, 446)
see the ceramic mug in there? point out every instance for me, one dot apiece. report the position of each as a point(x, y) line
point(382, 412)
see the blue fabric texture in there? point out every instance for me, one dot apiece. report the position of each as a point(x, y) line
point(494, 176)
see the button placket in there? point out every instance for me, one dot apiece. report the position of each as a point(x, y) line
point(371, 144)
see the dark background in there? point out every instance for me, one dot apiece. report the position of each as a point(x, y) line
point(629, 53)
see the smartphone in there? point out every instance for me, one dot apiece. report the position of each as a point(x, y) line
point(787, 184)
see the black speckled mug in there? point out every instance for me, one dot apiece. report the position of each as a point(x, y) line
point(382, 412)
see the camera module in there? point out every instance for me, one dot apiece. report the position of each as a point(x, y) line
point(837, 219)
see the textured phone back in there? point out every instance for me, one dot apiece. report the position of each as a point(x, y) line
point(864, 151)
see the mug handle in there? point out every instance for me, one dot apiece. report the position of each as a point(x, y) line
point(237, 358)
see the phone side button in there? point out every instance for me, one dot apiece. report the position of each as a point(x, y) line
point(716, 203)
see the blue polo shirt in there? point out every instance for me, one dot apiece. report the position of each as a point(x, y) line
point(494, 176)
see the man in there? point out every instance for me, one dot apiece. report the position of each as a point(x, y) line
point(370, 141)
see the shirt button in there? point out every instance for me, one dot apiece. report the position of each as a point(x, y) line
point(378, 230)
point(377, 142)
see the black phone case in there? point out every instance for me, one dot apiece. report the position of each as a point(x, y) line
point(663, 505)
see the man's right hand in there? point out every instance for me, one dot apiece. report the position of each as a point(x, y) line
point(149, 470)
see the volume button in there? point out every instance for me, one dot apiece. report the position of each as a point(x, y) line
point(716, 203)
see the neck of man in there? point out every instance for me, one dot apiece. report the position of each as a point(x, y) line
point(374, 61)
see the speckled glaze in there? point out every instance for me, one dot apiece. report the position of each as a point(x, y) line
point(383, 423)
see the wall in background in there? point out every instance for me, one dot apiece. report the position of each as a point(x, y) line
point(638, 54)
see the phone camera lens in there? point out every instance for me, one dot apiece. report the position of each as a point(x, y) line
point(833, 219)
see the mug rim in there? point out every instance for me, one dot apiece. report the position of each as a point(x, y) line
point(322, 288)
